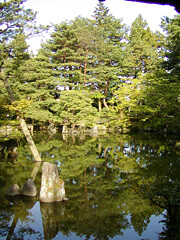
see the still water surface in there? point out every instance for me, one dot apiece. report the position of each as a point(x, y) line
point(120, 187)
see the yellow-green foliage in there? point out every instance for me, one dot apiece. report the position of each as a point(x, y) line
point(18, 106)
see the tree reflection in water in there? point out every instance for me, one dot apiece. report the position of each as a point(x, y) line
point(114, 183)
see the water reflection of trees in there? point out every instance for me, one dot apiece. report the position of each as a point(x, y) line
point(108, 178)
point(165, 193)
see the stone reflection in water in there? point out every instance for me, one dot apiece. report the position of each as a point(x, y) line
point(83, 220)
point(52, 217)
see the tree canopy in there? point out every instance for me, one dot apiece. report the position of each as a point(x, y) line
point(91, 71)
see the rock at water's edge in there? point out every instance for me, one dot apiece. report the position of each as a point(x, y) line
point(29, 189)
point(14, 190)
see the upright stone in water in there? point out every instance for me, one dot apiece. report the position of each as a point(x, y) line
point(29, 189)
point(52, 188)
point(13, 190)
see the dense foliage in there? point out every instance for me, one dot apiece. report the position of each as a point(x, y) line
point(91, 72)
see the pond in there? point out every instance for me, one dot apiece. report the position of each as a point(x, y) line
point(120, 187)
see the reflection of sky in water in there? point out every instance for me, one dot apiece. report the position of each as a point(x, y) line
point(151, 233)
point(35, 222)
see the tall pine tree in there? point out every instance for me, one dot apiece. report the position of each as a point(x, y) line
point(111, 35)
point(141, 54)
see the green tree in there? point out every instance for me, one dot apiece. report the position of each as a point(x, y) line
point(142, 57)
point(162, 91)
point(14, 19)
point(111, 36)
point(75, 108)
point(13, 24)
point(87, 45)
point(142, 49)
point(62, 52)
point(38, 85)
point(172, 55)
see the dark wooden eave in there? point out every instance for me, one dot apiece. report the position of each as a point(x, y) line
point(162, 2)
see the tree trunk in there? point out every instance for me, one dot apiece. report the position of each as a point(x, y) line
point(13, 225)
point(99, 105)
point(107, 83)
point(85, 65)
point(23, 125)
point(105, 103)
